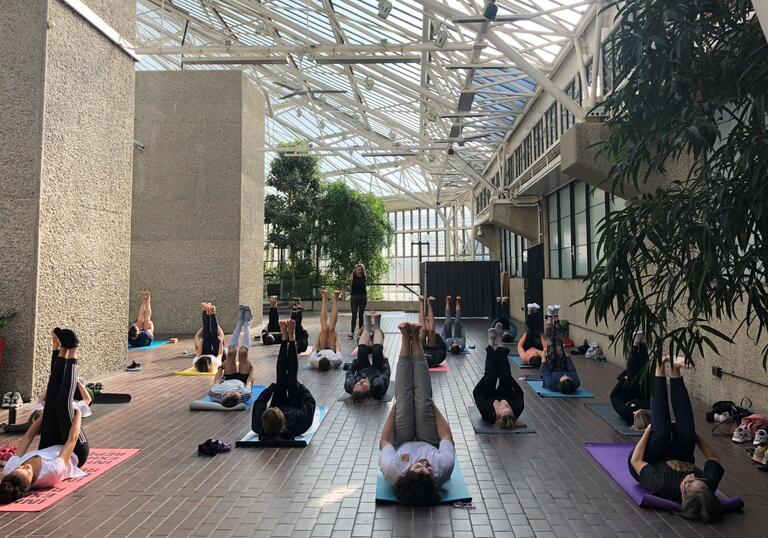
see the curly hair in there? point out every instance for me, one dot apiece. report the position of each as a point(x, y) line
point(418, 489)
point(204, 364)
point(13, 487)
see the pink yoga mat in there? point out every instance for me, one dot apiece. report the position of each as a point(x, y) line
point(442, 367)
point(100, 460)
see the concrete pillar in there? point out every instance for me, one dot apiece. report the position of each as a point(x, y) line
point(198, 197)
point(582, 158)
point(66, 130)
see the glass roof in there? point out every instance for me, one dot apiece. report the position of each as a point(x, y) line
point(381, 100)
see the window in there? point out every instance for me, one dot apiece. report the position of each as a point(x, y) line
point(554, 237)
point(580, 230)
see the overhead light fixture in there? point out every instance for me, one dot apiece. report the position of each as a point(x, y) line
point(368, 59)
point(385, 8)
point(491, 10)
point(263, 60)
point(392, 135)
point(260, 26)
point(368, 83)
point(321, 124)
point(440, 37)
point(299, 113)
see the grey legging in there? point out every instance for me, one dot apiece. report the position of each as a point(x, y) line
point(414, 412)
point(453, 330)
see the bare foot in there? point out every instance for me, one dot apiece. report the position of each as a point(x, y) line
point(212, 310)
point(447, 298)
point(324, 293)
point(404, 326)
point(290, 327)
point(421, 298)
point(505, 299)
point(55, 339)
point(431, 299)
point(283, 329)
point(498, 299)
point(336, 294)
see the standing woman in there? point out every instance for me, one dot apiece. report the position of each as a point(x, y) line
point(358, 298)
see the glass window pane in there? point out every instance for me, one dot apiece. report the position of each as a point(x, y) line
point(565, 202)
point(552, 208)
point(596, 197)
point(581, 228)
point(565, 232)
point(566, 263)
point(554, 264)
point(617, 204)
point(579, 197)
point(581, 260)
point(596, 215)
point(407, 223)
point(553, 239)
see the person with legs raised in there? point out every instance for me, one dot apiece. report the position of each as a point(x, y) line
point(532, 347)
point(233, 383)
point(327, 352)
point(433, 344)
point(209, 341)
point(142, 332)
point(285, 409)
point(453, 330)
point(630, 396)
point(271, 334)
point(369, 373)
point(663, 461)
point(497, 395)
point(63, 446)
point(417, 451)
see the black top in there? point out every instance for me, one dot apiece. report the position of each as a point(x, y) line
point(379, 380)
point(298, 418)
point(358, 285)
point(436, 355)
point(663, 479)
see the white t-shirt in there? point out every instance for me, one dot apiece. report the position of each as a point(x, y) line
point(395, 463)
point(53, 469)
point(333, 356)
point(85, 410)
point(217, 392)
point(215, 361)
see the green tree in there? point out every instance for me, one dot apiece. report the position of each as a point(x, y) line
point(292, 210)
point(695, 81)
point(357, 230)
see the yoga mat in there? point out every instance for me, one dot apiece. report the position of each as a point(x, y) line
point(308, 366)
point(442, 367)
point(307, 352)
point(207, 404)
point(100, 409)
point(520, 364)
point(608, 414)
point(110, 398)
point(156, 343)
point(613, 457)
point(538, 387)
point(100, 460)
point(251, 439)
point(388, 396)
point(481, 426)
point(453, 490)
point(192, 371)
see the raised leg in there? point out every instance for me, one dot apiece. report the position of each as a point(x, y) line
point(230, 363)
point(323, 309)
point(405, 417)
point(458, 328)
point(234, 340)
point(661, 422)
point(684, 434)
point(447, 331)
point(426, 428)
point(243, 364)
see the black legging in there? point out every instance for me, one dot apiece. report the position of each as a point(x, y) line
point(58, 414)
point(358, 303)
point(668, 442)
point(211, 342)
point(273, 327)
point(302, 336)
point(376, 352)
point(497, 383)
point(631, 391)
point(286, 393)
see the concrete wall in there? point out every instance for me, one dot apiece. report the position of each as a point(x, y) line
point(71, 98)
point(198, 196)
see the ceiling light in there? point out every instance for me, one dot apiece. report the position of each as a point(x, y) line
point(491, 10)
point(440, 37)
point(259, 27)
point(385, 8)
point(299, 113)
point(321, 124)
point(392, 135)
point(368, 83)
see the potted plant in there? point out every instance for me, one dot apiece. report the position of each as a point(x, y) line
point(4, 319)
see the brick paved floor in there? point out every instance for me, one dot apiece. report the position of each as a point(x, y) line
point(542, 485)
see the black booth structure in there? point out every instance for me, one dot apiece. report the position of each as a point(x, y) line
point(477, 283)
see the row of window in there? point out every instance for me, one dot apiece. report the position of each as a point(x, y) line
point(512, 248)
point(482, 200)
point(573, 215)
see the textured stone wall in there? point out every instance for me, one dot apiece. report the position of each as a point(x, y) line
point(77, 118)
point(198, 197)
point(22, 72)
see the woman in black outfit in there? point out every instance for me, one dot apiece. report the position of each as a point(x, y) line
point(497, 395)
point(630, 395)
point(292, 409)
point(358, 298)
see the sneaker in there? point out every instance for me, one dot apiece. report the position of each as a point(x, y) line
point(741, 435)
point(759, 455)
point(760, 437)
point(16, 400)
point(212, 447)
point(134, 367)
point(7, 400)
point(550, 311)
point(722, 417)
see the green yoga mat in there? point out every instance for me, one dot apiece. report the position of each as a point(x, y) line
point(454, 490)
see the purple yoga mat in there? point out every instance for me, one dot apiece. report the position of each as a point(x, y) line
point(613, 458)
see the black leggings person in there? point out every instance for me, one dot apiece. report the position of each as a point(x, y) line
point(58, 413)
point(297, 315)
point(498, 385)
point(271, 334)
point(631, 391)
point(211, 340)
point(358, 303)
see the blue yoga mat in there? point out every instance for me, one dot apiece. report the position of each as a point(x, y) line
point(454, 490)
point(538, 387)
point(520, 364)
point(156, 343)
point(251, 439)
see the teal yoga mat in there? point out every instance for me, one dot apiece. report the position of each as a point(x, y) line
point(251, 439)
point(154, 344)
point(520, 364)
point(454, 490)
point(608, 414)
point(538, 387)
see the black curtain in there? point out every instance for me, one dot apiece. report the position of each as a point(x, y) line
point(477, 283)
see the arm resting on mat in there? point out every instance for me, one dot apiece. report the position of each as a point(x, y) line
point(443, 429)
point(388, 431)
point(637, 454)
point(74, 432)
point(706, 449)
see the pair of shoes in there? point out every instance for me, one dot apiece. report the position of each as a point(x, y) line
point(12, 400)
point(134, 367)
point(212, 447)
point(761, 437)
point(741, 435)
point(760, 455)
point(95, 387)
point(553, 310)
point(722, 417)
